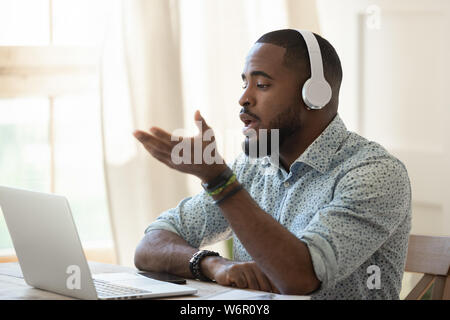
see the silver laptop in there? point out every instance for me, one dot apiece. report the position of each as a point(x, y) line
point(51, 257)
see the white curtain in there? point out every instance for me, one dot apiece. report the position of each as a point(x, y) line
point(164, 60)
point(142, 87)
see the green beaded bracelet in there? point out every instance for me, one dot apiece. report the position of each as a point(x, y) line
point(219, 190)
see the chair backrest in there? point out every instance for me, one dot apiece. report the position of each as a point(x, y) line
point(431, 256)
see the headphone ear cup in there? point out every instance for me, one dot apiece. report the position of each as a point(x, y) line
point(316, 94)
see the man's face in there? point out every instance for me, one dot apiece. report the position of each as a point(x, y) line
point(271, 97)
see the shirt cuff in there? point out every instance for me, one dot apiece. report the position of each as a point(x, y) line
point(323, 259)
point(161, 225)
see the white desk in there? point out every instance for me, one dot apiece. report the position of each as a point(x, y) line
point(13, 286)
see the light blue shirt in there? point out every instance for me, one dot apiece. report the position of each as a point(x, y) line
point(346, 197)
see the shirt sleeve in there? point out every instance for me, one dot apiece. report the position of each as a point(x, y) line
point(369, 203)
point(197, 219)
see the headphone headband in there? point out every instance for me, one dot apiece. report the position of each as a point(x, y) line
point(316, 91)
point(315, 56)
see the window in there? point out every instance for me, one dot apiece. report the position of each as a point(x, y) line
point(50, 128)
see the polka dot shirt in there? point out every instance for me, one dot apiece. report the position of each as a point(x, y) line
point(345, 197)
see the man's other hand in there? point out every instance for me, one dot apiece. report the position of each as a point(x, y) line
point(244, 275)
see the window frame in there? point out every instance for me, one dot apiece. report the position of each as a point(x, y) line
point(51, 71)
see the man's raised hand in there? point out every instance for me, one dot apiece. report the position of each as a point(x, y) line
point(194, 155)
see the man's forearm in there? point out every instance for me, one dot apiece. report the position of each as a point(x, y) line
point(282, 256)
point(164, 251)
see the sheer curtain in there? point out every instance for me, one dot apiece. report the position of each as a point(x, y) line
point(141, 88)
point(162, 61)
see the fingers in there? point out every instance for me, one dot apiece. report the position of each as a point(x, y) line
point(263, 282)
point(236, 276)
point(162, 157)
point(200, 122)
point(248, 275)
point(252, 281)
point(274, 288)
point(152, 142)
point(239, 281)
point(164, 135)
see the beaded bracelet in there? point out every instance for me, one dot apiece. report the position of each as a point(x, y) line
point(194, 263)
point(219, 190)
point(218, 181)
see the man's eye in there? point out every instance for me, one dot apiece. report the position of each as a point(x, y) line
point(244, 86)
point(262, 86)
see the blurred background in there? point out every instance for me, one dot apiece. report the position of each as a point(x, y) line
point(78, 76)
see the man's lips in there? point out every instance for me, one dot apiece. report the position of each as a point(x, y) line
point(249, 121)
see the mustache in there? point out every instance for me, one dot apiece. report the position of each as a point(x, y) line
point(245, 110)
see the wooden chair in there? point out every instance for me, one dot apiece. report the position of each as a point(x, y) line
point(431, 256)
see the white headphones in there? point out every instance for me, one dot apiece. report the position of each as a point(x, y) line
point(316, 90)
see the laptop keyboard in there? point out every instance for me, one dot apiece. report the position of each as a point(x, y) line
point(108, 289)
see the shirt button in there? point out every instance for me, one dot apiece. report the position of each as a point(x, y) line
point(286, 184)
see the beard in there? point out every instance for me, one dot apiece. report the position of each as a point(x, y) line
point(286, 123)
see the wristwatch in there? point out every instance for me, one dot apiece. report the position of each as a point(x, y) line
point(194, 263)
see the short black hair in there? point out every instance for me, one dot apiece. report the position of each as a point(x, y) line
point(296, 54)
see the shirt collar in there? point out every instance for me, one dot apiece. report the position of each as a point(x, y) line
point(320, 153)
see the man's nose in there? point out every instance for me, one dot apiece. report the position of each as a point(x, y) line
point(246, 100)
